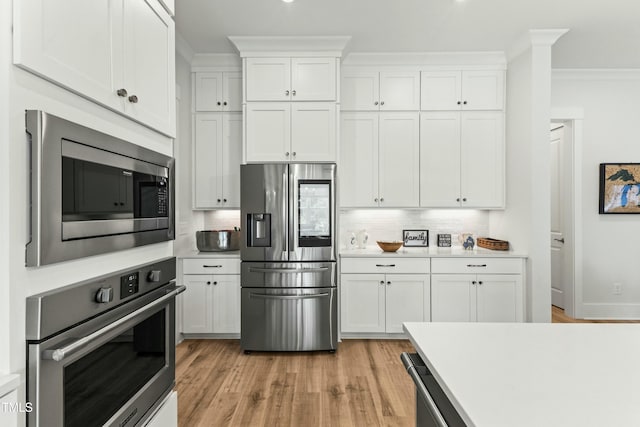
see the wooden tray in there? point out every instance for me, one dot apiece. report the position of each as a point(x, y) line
point(494, 244)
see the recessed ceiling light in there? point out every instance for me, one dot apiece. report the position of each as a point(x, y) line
point(288, 1)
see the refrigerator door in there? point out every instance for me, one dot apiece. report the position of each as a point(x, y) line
point(312, 230)
point(264, 211)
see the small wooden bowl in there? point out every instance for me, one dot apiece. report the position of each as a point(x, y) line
point(389, 246)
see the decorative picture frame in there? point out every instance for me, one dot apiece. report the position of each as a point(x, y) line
point(444, 240)
point(619, 188)
point(415, 238)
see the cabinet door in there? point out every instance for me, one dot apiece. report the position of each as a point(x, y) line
point(482, 159)
point(440, 90)
point(313, 79)
point(453, 298)
point(51, 41)
point(209, 91)
point(149, 64)
point(313, 131)
point(362, 303)
point(440, 159)
point(483, 90)
point(359, 160)
point(399, 91)
point(207, 181)
point(359, 90)
point(232, 91)
point(268, 79)
point(499, 298)
point(268, 130)
point(225, 310)
point(404, 300)
point(399, 160)
point(196, 304)
point(230, 159)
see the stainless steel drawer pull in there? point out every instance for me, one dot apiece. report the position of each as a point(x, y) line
point(385, 265)
point(59, 354)
point(476, 265)
point(212, 266)
point(288, 297)
point(288, 270)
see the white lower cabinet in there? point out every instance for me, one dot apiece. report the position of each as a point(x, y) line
point(211, 302)
point(380, 302)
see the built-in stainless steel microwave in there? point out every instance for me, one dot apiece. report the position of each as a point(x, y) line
point(92, 193)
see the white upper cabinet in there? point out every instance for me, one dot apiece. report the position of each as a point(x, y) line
point(462, 90)
point(371, 90)
point(118, 53)
point(291, 79)
point(218, 91)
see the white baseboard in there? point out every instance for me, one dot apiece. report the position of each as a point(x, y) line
point(611, 311)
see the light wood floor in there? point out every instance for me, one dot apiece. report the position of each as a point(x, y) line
point(363, 384)
point(558, 316)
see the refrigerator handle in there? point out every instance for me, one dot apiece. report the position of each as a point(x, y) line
point(293, 217)
point(285, 210)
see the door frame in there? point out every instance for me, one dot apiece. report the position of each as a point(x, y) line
point(572, 118)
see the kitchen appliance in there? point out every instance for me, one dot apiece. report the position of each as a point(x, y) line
point(288, 272)
point(433, 408)
point(102, 351)
point(217, 241)
point(92, 193)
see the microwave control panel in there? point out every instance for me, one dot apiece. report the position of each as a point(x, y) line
point(129, 285)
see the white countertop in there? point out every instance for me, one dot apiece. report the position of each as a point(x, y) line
point(535, 374)
point(8, 383)
point(198, 254)
point(455, 251)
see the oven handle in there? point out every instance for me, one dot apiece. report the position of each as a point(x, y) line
point(59, 354)
point(288, 270)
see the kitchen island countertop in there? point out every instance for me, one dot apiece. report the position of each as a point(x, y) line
point(535, 374)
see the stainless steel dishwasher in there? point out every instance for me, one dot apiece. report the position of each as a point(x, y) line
point(433, 408)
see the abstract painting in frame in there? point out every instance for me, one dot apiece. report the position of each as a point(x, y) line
point(620, 188)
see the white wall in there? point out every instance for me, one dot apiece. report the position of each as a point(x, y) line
point(611, 133)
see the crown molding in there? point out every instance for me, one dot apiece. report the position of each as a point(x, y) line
point(288, 46)
point(455, 60)
point(534, 38)
point(218, 61)
point(595, 74)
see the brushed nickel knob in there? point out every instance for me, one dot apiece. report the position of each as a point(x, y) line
point(286, 92)
point(375, 103)
point(286, 154)
point(294, 154)
point(133, 99)
point(382, 199)
point(375, 200)
point(122, 92)
point(381, 102)
point(293, 92)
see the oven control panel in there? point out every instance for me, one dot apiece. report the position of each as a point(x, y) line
point(129, 285)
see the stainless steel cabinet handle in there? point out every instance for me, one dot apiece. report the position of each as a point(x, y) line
point(60, 354)
point(133, 99)
point(288, 270)
point(212, 266)
point(385, 265)
point(476, 265)
point(122, 92)
point(559, 240)
point(288, 297)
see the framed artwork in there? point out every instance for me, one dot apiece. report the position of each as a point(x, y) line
point(620, 188)
point(415, 237)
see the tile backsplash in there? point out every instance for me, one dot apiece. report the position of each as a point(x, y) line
point(221, 219)
point(387, 224)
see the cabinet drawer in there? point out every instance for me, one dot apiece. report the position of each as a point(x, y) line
point(477, 265)
point(384, 265)
point(210, 266)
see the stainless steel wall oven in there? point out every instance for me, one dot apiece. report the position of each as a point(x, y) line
point(102, 352)
point(92, 193)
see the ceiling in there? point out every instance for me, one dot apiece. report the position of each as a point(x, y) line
point(603, 34)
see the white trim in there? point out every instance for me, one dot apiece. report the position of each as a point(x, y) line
point(595, 74)
point(183, 48)
point(442, 60)
point(289, 46)
point(558, 114)
point(533, 38)
point(9, 383)
point(611, 311)
point(216, 62)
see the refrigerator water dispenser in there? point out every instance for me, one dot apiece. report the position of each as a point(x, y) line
point(259, 230)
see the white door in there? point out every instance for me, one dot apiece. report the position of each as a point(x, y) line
point(440, 159)
point(499, 298)
point(359, 160)
point(268, 79)
point(440, 90)
point(268, 130)
point(196, 304)
point(225, 307)
point(313, 79)
point(404, 300)
point(232, 91)
point(483, 90)
point(557, 226)
point(313, 131)
point(209, 91)
point(399, 91)
point(482, 159)
point(453, 299)
point(359, 90)
point(399, 160)
point(206, 160)
point(362, 303)
point(231, 157)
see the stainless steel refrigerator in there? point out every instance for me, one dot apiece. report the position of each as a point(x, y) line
point(288, 251)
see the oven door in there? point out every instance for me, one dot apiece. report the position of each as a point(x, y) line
point(111, 371)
